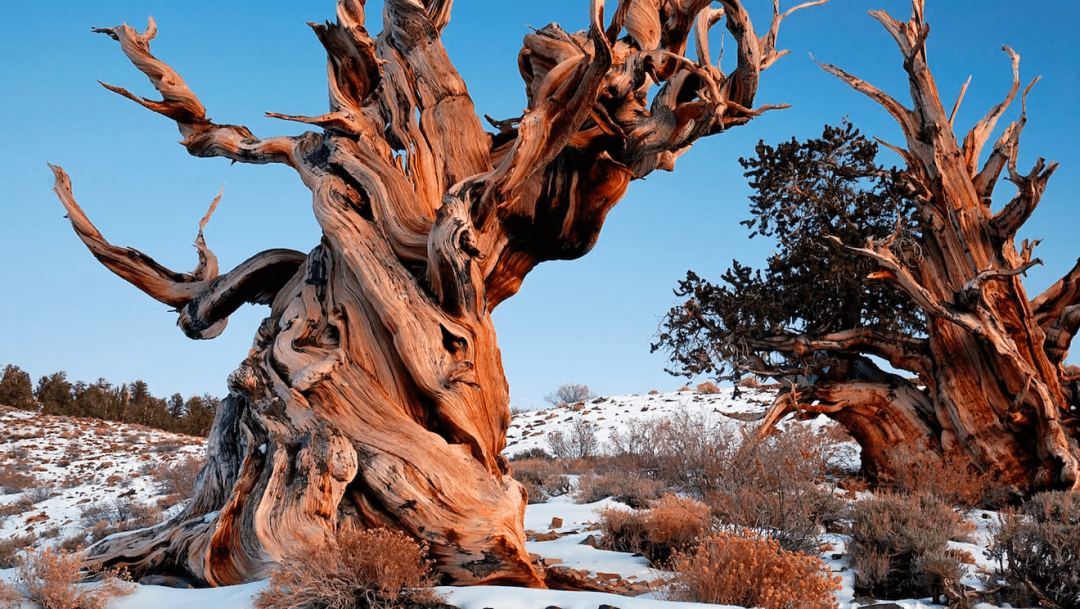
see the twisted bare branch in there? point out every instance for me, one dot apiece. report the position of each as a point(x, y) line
point(201, 136)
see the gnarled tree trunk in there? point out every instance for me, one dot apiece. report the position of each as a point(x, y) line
point(374, 394)
point(996, 388)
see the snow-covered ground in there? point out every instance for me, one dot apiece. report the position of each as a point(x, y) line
point(84, 462)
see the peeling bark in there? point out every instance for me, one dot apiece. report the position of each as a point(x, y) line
point(374, 393)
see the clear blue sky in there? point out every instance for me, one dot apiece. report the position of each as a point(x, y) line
point(587, 321)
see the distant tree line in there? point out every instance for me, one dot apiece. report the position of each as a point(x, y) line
point(124, 403)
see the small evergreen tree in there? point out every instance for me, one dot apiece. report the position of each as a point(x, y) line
point(813, 198)
point(54, 393)
point(16, 389)
point(200, 415)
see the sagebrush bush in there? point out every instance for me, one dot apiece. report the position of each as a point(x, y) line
point(52, 580)
point(749, 382)
point(37, 494)
point(626, 487)
point(177, 480)
point(953, 478)
point(533, 453)
point(708, 387)
point(17, 508)
point(899, 547)
point(10, 547)
point(543, 479)
point(104, 519)
point(13, 481)
point(356, 569)
point(672, 524)
point(1038, 550)
point(678, 451)
point(743, 568)
point(775, 483)
point(9, 595)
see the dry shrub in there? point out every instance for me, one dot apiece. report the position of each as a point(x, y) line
point(672, 524)
point(37, 494)
point(178, 479)
point(103, 519)
point(10, 547)
point(357, 569)
point(678, 451)
point(1038, 549)
point(708, 387)
point(167, 446)
point(9, 595)
point(899, 548)
point(533, 453)
point(17, 508)
point(51, 579)
point(775, 483)
point(745, 569)
point(543, 479)
point(13, 481)
point(749, 382)
point(953, 478)
point(625, 487)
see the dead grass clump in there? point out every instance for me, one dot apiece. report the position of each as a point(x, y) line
point(776, 484)
point(672, 524)
point(899, 548)
point(625, 487)
point(52, 580)
point(13, 481)
point(10, 548)
point(375, 568)
point(745, 569)
point(708, 387)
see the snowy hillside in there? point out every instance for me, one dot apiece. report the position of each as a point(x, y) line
point(79, 463)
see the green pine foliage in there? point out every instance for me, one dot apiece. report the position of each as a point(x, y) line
point(814, 199)
point(16, 389)
point(125, 403)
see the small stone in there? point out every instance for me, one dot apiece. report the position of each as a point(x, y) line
point(556, 522)
point(589, 541)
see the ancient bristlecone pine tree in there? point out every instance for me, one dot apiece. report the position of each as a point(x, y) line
point(374, 394)
point(989, 384)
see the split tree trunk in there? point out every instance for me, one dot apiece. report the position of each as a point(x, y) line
point(996, 388)
point(374, 393)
